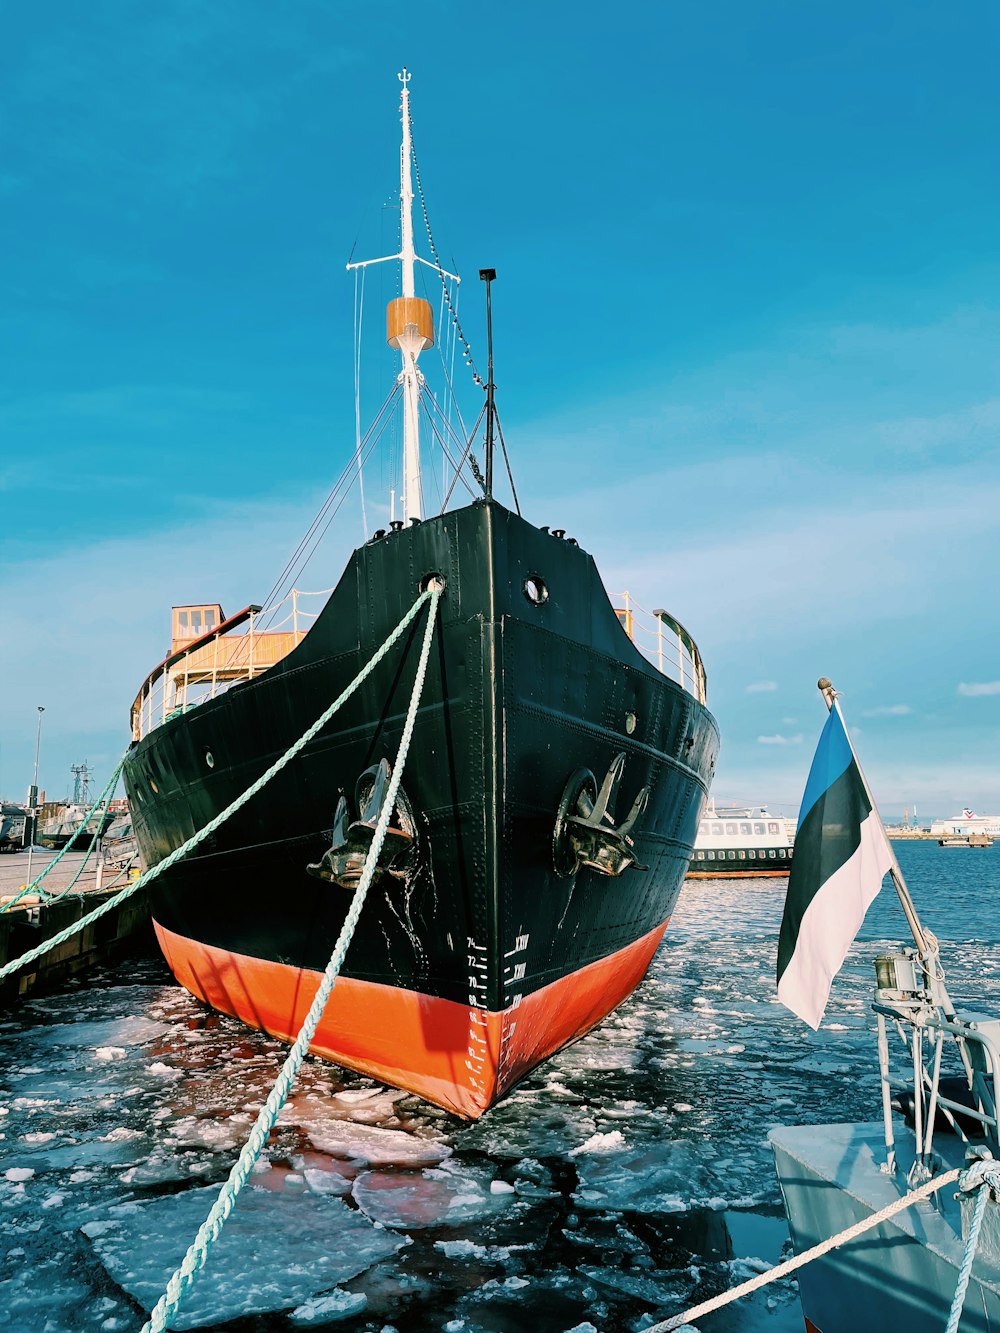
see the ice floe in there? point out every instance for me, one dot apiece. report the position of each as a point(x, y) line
point(445, 1196)
point(277, 1251)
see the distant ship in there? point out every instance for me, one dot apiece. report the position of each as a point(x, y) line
point(13, 819)
point(741, 842)
point(61, 820)
point(547, 810)
point(967, 822)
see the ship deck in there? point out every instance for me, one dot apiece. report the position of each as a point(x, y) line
point(905, 1269)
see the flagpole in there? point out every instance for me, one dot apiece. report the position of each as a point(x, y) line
point(925, 947)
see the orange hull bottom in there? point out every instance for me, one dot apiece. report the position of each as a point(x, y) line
point(461, 1057)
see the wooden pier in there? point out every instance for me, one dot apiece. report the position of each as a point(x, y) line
point(34, 919)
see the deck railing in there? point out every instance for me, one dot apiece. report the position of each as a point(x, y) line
point(665, 642)
point(238, 649)
point(928, 1030)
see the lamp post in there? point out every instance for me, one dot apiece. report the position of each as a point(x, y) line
point(33, 792)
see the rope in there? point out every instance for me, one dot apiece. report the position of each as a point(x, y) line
point(17, 963)
point(194, 1261)
point(106, 793)
point(807, 1256)
point(983, 1176)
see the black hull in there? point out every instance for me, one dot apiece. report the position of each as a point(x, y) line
point(518, 696)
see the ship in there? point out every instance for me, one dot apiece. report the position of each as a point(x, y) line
point(13, 826)
point(966, 824)
point(74, 818)
point(547, 809)
point(746, 842)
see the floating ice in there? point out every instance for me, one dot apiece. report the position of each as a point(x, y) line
point(371, 1143)
point(469, 1249)
point(440, 1197)
point(369, 1106)
point(262, 1262)
point(326, 1309)
point(659, 1178)
point(601, 1143)
point(327, 1182)
point(662, 1289)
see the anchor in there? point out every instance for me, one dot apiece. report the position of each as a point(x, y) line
point(585, 831)
point(343, 862)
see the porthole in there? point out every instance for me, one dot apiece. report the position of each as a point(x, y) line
point(630, 723)
point(210, 758)
point(535, 590)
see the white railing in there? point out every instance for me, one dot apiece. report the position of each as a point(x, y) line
point(966, 1096)
point(242, 647)
point(665, 642)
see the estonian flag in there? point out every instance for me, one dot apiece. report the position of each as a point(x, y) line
point(841, 857)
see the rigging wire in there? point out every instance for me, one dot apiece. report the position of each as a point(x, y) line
point(300, 559)
point(346, 477)
point(461, 462)
point(506, 459)
point(437, 260)
point(457, 440)
point(359, 312)
point(424, 397)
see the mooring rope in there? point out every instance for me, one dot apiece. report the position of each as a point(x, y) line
point(807, 1256)
point(109, 787)
point(197, 1255)
point(984, 1176)
point(148, 876)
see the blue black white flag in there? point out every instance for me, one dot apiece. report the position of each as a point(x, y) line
point(841, 858)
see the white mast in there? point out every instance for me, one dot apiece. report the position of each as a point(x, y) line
point(409, 318)
point(410, 338)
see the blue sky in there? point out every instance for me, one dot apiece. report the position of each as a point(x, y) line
point(747, 321)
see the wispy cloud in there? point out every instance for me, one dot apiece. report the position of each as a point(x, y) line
point(977, 691)
point(762, 687)
point(779, 740)
point(887, 710)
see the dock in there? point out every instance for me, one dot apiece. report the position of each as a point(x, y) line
point(37, 917)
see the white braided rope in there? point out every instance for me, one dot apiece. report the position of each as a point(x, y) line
point(148, 876)
point(807, 1256)
point(196, 1257)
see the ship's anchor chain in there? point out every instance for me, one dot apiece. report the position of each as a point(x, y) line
point(343, 862)
point(585, 832)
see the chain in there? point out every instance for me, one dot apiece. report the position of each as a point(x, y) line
point(447, 295)
point(475, 470)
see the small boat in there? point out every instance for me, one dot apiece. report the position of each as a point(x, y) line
point(60, 821)
point(939, 1099)
point(64, 821)
point(119, 845)
point(548, 805)
point(745, 842)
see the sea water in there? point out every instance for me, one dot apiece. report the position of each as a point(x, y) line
point(624, 1181)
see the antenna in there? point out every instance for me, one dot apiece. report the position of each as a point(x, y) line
point(488, 275)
